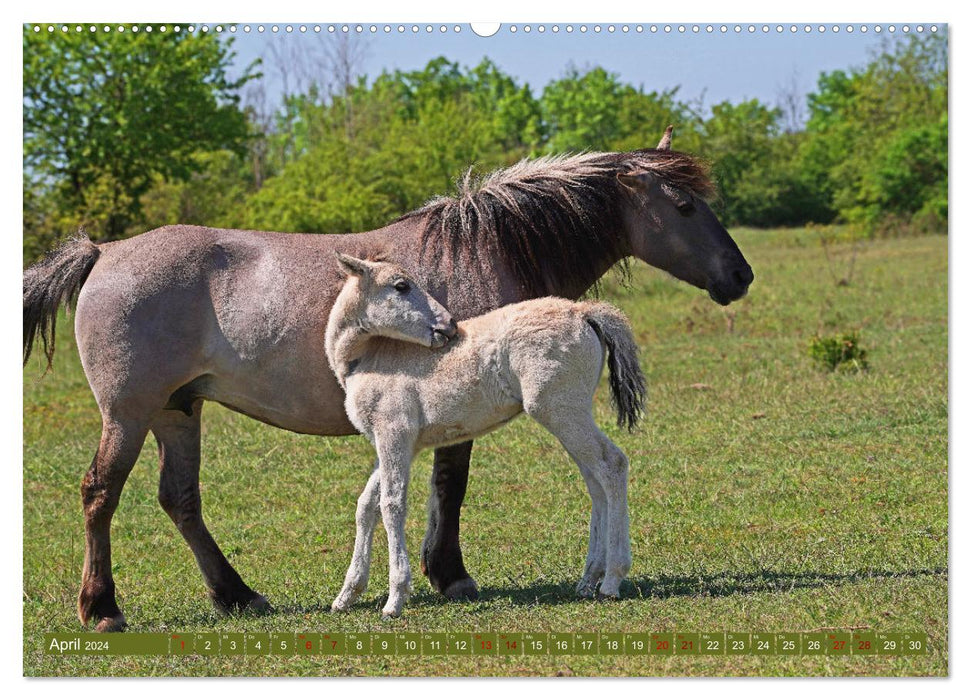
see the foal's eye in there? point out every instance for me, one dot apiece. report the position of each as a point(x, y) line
point(402, 286)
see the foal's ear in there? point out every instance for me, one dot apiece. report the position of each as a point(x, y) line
point(635, 181)
point(351, 266)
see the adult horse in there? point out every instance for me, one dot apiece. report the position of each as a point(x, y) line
point(183, 314)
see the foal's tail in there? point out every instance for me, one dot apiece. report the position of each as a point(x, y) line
point(51, 283)
point(628, 389)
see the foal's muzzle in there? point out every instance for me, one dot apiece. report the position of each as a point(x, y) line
point(442, 334)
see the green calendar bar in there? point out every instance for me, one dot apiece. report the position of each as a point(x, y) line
point(662, 643)
point(637, 643)
point(207, 644)
point(864, 643)
point(111, 644)
point(813, 643)
point(333, 644)
point(787, 643)
point(509, 644)
point(712, 643)
point(307, 643)
point(585, 643)
point(484, 644)
point(232, 643)
point(738, 643)
point(433, 644)
point(687, 643)
point(460, 644)
point(536, 644)
point(357, 643)
point(611, 643)
point(281, 643)
point(763, 644)
point(560, 643)
point(383, 643)
point(182, 644)
point(408, 643)
point(839, 644)
point(831, 643)
point(257, 644)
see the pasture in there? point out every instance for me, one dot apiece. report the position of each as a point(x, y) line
point(766, 494)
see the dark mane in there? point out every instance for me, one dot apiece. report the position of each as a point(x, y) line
point(549, 217)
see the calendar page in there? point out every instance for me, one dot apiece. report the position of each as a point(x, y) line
point(516, 349)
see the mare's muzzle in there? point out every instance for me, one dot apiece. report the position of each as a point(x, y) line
point(733, 285)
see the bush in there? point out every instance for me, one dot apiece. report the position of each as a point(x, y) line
point(840, 352)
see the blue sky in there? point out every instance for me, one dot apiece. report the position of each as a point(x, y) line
point(732, 66)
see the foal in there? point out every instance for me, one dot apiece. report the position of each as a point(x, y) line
point(448, 383)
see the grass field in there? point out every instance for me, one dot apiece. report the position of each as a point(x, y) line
point(766, 494)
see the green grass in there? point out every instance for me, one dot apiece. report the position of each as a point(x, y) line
point(765, 495)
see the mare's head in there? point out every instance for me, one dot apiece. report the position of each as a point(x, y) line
point(671, 227)
point(388, 302)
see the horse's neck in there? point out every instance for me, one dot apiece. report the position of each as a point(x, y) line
point(586, 274)
point(345, 340)
point(469, 287)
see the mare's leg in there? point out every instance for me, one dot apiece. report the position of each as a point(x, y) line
point(394, 465)
point(441, 554)
point(368, 509)
point(121, 441)
point(178, 437)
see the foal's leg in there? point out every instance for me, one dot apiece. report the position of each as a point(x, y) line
point(613, 477)
point(121, 441)
point(394, 465)
point(368, 509)
point(596, 564)
point(178, 437)
point(441, 554)
point(595, 453)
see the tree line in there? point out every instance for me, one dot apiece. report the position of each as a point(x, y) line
point(126, 131)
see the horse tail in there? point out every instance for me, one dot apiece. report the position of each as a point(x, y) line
point(51, 283)
point(628, 388)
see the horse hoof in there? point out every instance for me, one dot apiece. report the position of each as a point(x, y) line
point(609, 594)
point(115, 623)
point(240, 603)
point(388, 615)
point(258, 604)
point(587, 590)
point(463, 589)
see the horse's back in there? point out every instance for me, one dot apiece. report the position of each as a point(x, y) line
point(240, 314)
point(549, 346)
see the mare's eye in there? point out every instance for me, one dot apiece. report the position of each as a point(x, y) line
point(686, 208)
point(402, 286)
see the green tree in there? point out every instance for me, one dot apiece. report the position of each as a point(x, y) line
point(107, 113)
point(739, 141)
point(877, 136)
point(583, 111)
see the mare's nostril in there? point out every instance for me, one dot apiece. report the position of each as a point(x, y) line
point(744, 276)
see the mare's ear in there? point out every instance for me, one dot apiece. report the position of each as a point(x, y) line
point(638, 182)
point(351, 266)
point(665, 143)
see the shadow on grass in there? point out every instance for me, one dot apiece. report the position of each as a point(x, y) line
point(716, 585)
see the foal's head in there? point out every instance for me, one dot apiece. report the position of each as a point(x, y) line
point(387, 301)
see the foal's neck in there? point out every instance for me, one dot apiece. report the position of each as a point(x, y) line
point(346, 337)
